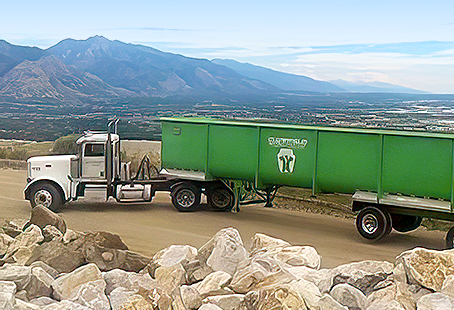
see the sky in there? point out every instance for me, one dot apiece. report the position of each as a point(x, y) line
point(408, 43)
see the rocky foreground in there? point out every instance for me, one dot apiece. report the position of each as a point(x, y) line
point(47, 266)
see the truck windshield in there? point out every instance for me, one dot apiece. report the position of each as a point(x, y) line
point(92, 149)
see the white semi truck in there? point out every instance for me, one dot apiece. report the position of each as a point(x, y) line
point(96, 168)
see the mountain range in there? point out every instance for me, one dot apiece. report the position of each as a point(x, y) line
point(77, 71)
point(375, 87)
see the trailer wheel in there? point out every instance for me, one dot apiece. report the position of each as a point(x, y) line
point(373, 223)
point(47, 195)
point(186, 197)
point(405, 223)
point(220, 198)
point(450, 239)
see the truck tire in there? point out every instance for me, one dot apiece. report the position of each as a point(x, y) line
point(220, 198)
point(405, 223)
point(373, 223)
point(47, 195)
point(450, 239)
point(186, 197)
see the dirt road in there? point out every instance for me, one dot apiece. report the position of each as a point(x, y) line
point(147, 228)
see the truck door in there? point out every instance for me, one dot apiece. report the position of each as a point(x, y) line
point(93, 161)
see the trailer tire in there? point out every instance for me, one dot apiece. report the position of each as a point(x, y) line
point(405, 223)
point(373, 223)
point(220, 198)
point(186, 197)
point(450, 239)
point(47, 195)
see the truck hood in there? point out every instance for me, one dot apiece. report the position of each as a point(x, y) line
point(53, 158)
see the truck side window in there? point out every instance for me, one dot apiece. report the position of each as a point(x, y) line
point(92, 149)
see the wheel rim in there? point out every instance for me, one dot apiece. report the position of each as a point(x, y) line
point(369, 224)
point(43, 197)
point(185, 198)
point(221, 199)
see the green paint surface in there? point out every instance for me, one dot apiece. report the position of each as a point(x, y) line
point(348, 162)
point(184, 146)
point(232, 152)
point(417, 166)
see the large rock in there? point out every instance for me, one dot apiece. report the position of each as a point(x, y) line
point(386, 305)
point(104, 249)
point(62, 257)
point(170, 278)
point(131, 281)
point(428, 268)
point(51, 232)
point(5, 241)
point(120, 296)
point(224, 252)
point(65, 305)
point(266, 246)
point(214, 284)
point(40, 284)
point(366, 276)
point(385, 294)
point(63, 286)
point(327, 302)
point(171, 256)
point(21, 248)
point(42, 216)
point(14, 228)
point(210, 307)
point(225, 302)
point(50, 271)
point(7, 291)
point(91, 295)
point(308, 291)
point(108, 259)
point(448, 286)
point(273, 297)
point(322, 278)
point(190, 296)
point(259, 273)
point(109, 252)
point(23, 305)
point(436, 301)
point(20, 275)
point(43, 301)
point(262, 242)
point(137, 302)
point(349, 296)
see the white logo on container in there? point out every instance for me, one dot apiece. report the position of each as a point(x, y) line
point(286, 160)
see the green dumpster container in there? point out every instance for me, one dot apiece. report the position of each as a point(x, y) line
point(326, 159)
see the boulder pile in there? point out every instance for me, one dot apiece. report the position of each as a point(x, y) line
point(45, 265)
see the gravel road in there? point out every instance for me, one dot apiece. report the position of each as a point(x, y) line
point(147, 228)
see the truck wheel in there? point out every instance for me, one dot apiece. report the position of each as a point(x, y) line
point(220, 198)
point(404, 223)
point(450, 239)
point(186, 197)
point(373, 223)
point(47, 195)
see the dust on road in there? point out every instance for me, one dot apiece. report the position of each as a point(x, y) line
point(149, 227)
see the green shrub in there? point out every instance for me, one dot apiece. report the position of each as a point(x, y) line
point(15, 153)
point(65, 145)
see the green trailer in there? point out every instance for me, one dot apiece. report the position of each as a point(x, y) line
point(396, 177)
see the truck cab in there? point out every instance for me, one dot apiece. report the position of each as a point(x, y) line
point(54, 180)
